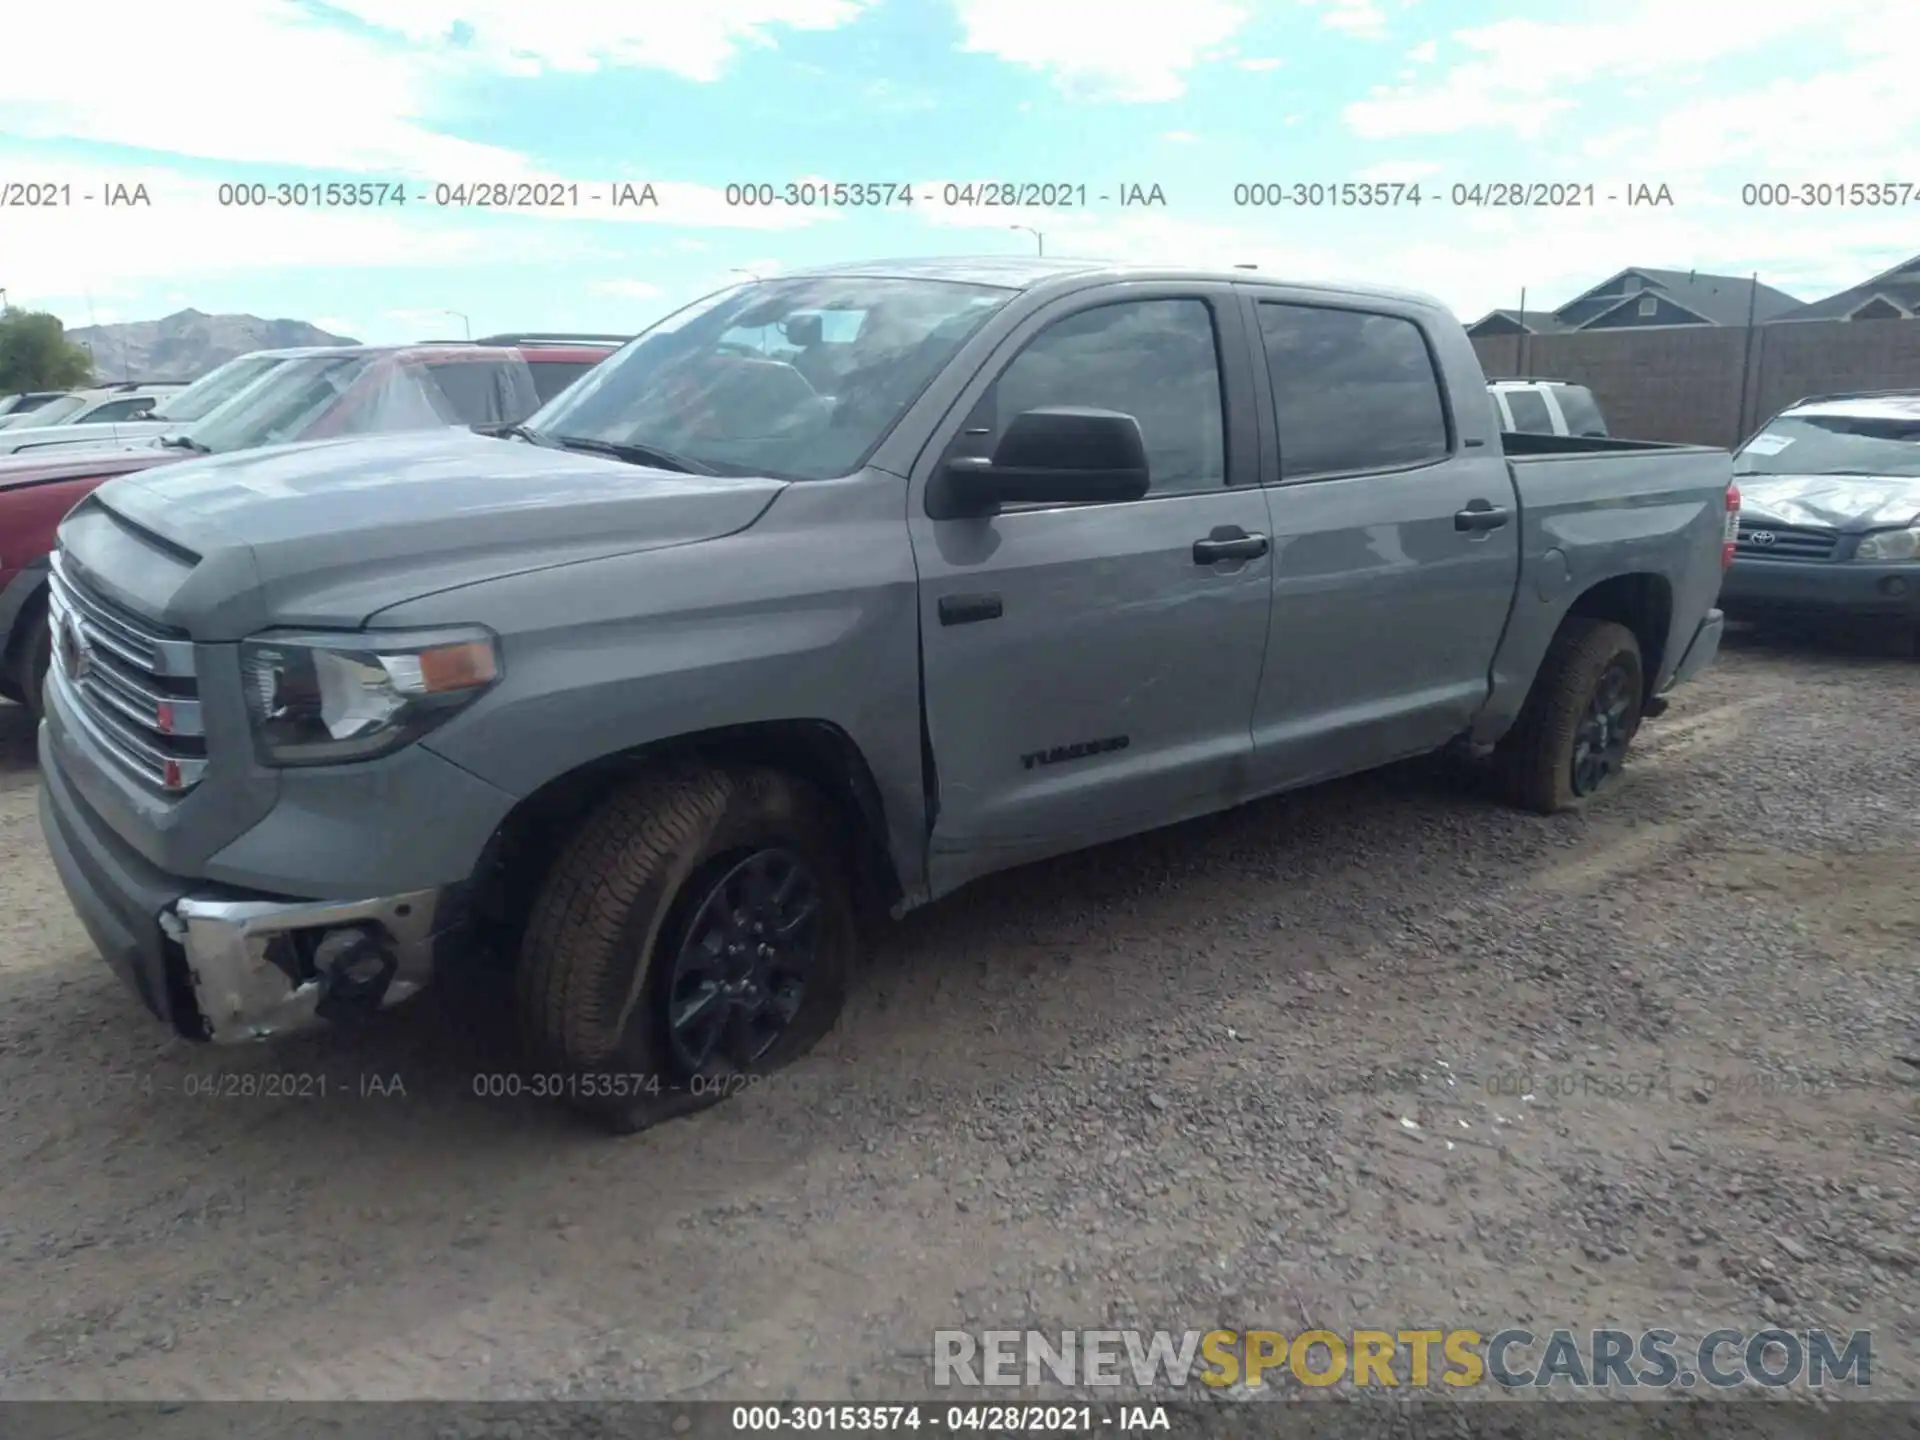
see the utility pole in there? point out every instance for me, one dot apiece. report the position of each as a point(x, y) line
point(1039, 240)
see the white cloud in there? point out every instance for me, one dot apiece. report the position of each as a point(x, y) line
point(1522, 68)
point(1362, 19)
point(1261, 62)
point(1180, 137)
point(1425, 52)
point(211, 80)
point(692, 40)
point(1095, 52)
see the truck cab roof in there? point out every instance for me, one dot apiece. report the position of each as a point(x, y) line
point(1029, 272)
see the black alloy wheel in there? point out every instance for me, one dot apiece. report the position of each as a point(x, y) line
point(1605, 728)
point(740, 974)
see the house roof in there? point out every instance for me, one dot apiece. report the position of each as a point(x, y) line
point(1719, 299)
point(1900, 284)
point(1541, 322)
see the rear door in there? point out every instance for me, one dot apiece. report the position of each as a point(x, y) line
point(1088, 672)
point(1396, 545)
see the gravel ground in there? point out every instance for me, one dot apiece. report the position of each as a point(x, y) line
point(1378, 1054)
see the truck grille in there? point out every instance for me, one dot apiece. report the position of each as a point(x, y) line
point(130, 682)
point(1758, 540)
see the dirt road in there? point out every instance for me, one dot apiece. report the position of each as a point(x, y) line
point(1377, 1054)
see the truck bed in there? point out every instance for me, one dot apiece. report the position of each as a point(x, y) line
point(1521, 445)
point(1593, 509)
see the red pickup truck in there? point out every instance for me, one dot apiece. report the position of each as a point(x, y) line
point(350, 390)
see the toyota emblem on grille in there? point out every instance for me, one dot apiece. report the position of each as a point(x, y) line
point(76, 656)
point(1760, 537)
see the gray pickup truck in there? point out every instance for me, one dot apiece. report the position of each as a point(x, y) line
point(826, 596)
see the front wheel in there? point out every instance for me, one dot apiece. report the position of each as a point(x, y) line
point(695, 935)
point(1570, 742)
point(36, 654)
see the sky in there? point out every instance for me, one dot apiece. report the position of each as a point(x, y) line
point(1204, 111)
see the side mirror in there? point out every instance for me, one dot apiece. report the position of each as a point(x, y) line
point(1059, 456)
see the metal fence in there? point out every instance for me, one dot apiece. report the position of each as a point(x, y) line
point(1709, 384)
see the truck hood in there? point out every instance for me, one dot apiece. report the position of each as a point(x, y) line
point(46, 467)
point(335, 530)
point(1848, 503)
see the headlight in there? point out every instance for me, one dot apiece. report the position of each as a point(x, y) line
point(1886, 545)
point(319, 699)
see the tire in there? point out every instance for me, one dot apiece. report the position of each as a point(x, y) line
point(610, 951)
point(1546, 763)
point(36, 653)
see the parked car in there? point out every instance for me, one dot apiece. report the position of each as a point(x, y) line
point(171, 413)
point(1547, 407)
point(333, 392)
point(125, 400)
point(1011, 557)
point(17, 407)
point(1830, 518)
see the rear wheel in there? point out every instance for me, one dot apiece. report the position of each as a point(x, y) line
point(695, 935)
point(1570, 742)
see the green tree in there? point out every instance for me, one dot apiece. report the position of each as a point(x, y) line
point(35, 353)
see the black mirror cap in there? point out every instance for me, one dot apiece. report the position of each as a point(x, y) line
point(1071, 438)
point(1064, 456)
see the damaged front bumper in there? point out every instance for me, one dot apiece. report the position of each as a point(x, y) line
point(263, 968)
point(230, 967)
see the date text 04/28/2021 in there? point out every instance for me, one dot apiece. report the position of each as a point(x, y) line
point(988, 1419)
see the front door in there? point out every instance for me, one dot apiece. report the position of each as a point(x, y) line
point(1089, 672)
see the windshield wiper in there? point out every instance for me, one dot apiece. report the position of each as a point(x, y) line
point(518, 432)
point(635, 454)
point(184, 442)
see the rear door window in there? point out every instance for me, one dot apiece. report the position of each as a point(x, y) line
point(1352, 391)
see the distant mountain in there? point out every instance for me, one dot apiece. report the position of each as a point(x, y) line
point(186, 345)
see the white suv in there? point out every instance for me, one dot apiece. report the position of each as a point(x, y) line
point(1546, 407)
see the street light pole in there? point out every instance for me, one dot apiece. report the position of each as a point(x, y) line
point(1039, 240)
point(466, 326)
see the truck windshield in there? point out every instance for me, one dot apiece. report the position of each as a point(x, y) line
point(1833, 445)
point(214, 388)
point(797, 379)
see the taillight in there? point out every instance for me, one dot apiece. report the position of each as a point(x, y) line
point(1731, 536)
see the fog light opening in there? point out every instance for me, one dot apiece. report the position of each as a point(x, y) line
point(355, 964)
point(1893, 586)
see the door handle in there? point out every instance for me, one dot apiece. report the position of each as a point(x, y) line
point(969, 609)
point(1229, 542)
point(1480, 516)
